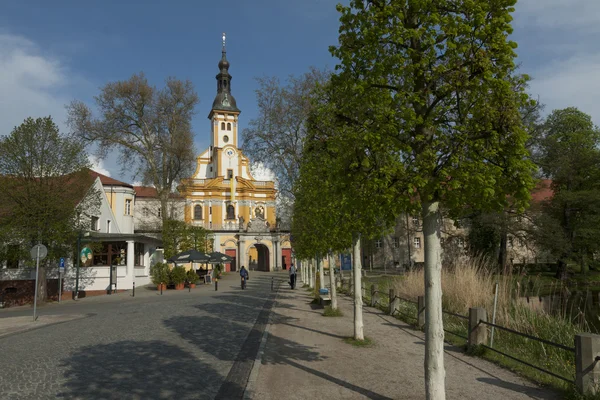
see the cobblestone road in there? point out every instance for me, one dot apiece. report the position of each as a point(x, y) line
point(180, 345)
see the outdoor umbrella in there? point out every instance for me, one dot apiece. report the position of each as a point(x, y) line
point(219, 258)
point(190, 256)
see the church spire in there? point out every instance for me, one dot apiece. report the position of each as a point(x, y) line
point(224, 101)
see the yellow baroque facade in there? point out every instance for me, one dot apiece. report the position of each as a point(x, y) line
point(223, 196)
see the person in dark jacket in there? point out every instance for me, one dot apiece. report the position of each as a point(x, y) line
point(244, 275)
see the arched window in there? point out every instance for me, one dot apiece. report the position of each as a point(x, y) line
point(197, 211)
point(222, 126)
point(229, 126)
point(230, 212)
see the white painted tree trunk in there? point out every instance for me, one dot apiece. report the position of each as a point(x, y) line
point(311, 283)
point(303, 270)
point(358, 303)
point(321, 273)
point(332, 282)
point(435, 374)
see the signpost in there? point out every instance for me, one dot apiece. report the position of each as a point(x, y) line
point(345, 262)
point(39, 252)
point(61, 271)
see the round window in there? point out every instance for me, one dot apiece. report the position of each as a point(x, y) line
point(226, 138)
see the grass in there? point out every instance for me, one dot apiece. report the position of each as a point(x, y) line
point(367, 342)
point(332, 312)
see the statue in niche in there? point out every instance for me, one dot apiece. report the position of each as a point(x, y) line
point(259, 212)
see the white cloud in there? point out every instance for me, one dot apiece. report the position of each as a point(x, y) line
point(31, 83)
point(98, 165)
point(571, 82)
point(559, 50)
point(553, 14)
point(262, 173)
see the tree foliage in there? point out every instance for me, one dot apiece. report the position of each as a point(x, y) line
point(149, 127)
point(569, 154)
point(429, 101)
point(47, 190)
point(179, 236)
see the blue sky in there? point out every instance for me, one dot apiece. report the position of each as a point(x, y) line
point(54, 52)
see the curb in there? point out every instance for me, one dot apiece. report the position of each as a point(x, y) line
point(250, 386)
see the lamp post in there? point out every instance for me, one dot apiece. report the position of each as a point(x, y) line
point(78, 263)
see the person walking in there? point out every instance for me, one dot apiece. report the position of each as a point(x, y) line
point(292, 276)
point(244, 275)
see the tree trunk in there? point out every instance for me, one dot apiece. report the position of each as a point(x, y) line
point(311, 282)
point(332, 282)
point(321, 273)
point(435, 373)
point(561, 271)
point(358, 302)
point(502, 267)
point(42, 294)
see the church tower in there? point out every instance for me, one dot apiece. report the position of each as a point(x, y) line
point(224, 112)
point(223, 197)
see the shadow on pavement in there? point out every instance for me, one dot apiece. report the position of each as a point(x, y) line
point(515, 387)
point(138, 370)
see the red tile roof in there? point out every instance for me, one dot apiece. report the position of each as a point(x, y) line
point(542, 191)
point(151, 192)
point(107, 180)
point(145, 191)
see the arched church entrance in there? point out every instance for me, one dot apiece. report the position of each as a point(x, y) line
point(259, 259)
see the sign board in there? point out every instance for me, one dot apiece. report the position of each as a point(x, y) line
point(86, 255)
point(61, 265)
point(39, 250)
point(345, 262)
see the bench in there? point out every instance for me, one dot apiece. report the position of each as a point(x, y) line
point(324, 299)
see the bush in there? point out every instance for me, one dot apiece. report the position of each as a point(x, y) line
point(159, 273)
point(177, 275)
point(192, 276)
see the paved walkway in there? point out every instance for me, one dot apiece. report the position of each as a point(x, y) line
point(305, 358)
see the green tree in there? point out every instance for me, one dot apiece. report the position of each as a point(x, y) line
point(178, 236)
point(569, 154)
point(432, 82)
point(338, 196)
point(47, 191)
point(150, 128)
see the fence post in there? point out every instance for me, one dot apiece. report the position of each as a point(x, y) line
point(393, 302)
point(374, 295)
point(420, 311)
point(477, 332)
point(587, 368)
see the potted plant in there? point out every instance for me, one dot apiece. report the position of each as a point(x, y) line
point(159, 274)
point(192, 277)
point(177, 277)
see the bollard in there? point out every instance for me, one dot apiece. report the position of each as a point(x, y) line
point(420, 311)
point(216, 285)
point(587, 368)
point(374, 295)
point(271, 284)
point(393, 301)
point(477, 332)
point(133, 289)
point(161, 286)
point(189, 287)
